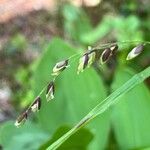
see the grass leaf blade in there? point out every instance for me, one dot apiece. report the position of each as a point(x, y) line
point(104, 105)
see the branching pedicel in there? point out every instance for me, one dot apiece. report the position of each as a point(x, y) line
point(86, 60)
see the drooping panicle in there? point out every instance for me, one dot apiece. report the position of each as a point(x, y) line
point(21, 119)
point(50, 91)
point(36, 104)
point(135, 52)
point(105, 55)
point(83, 62)
point(59, 67)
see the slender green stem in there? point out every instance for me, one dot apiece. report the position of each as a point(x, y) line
point(102, 46)
point(104, 105)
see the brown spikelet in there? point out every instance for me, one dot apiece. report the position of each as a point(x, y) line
point(105, 55)
point(50, 91)
point(36, 104)
point(21, 119)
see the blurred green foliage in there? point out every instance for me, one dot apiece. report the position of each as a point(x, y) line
point(76, 94)
point(17, 43)
point(78, 27)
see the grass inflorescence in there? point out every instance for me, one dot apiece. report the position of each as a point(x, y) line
point(101, 53)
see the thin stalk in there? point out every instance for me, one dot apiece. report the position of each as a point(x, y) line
point(102, 46)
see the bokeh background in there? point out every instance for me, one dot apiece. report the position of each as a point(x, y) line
point(34, 35)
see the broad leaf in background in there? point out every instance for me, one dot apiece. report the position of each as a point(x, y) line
point(75, 94)
point(148, 148)
point(78, 141)
point(130, 117)
point(28, 137)
point(141, 148)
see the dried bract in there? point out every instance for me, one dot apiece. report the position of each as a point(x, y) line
point(36, 104)
point(21, 119)
point(105, 55)
point(50, 91)
point(135, 52)
point(59, 67)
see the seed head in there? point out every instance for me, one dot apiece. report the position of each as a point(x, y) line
point(114, 48)
point(36, 104)
point(135, 52)
point(83, 62)
point(50, 91)
point(105, 55)
point(21, 119)
point(59, 67)
point(92, 57)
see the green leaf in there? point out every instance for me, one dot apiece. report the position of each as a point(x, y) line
point(128, 29)
point(141, 148)
point(79, 140)
point(130, 117)
point(148, 148)
point(27, 137)
point(75, 94)
point(104, 105)
point(17, 43)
